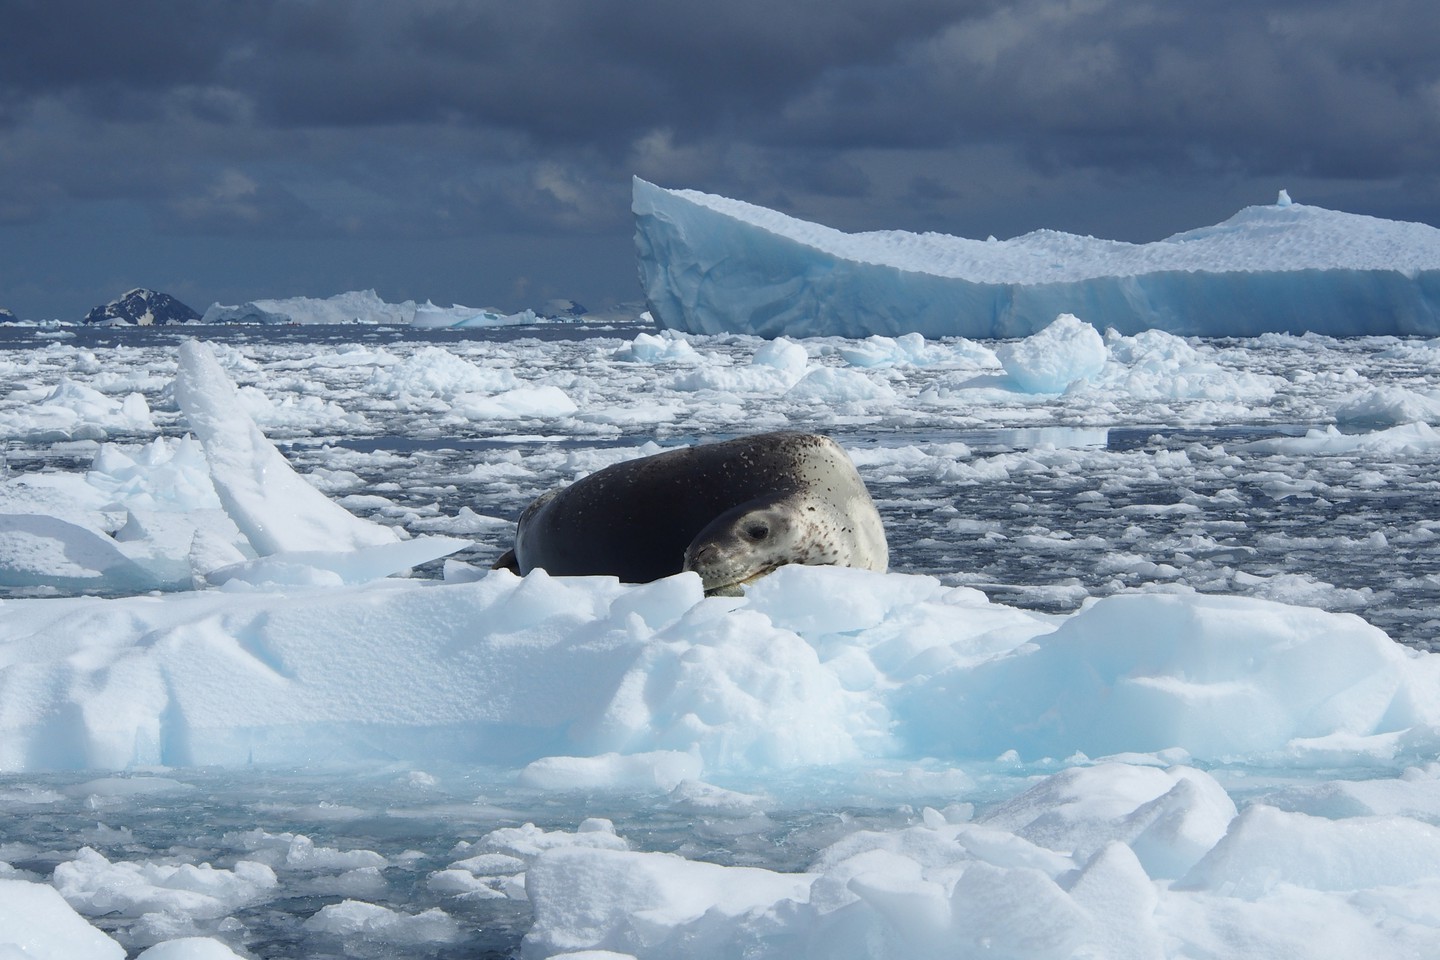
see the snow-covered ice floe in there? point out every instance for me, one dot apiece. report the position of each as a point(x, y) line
point(522, 671)
point(1152, 775)
point(586, 684)
point(710, 264)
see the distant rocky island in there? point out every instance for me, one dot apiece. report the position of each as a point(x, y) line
point(142, 308)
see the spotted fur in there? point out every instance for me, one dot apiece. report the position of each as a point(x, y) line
point(698, 508)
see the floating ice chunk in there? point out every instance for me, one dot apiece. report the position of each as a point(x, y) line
point(839, 385)
point(452, 882)
point(271, 504)
point(660, 770)
point(295, 851)
point(95, 886)
point(1066, 351)
point(303, 854)
point(522, 403)
point(37, 924)
point(190, 948)
point(436, 372)
point(374, 923)
point(910, 349)
point(775, 367)
point(1154, 364)
point(74, 411)
point(1408, 439)
point(641, 903)
point(528, 841)
point(487, 876)
point(464, 522)
point(668, 347)
point(706, 799)
point(1390, 405)
point(782, 354)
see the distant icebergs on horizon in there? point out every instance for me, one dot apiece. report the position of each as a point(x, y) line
point(712, 265)
point(361, 306)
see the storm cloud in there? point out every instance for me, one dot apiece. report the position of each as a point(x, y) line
point(364, 137)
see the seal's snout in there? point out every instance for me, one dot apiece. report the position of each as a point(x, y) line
point(705, 556)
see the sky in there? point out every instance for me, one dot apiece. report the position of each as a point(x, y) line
point(482, 152)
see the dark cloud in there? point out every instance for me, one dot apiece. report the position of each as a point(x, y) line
point(1320, 88)
point(367, 121)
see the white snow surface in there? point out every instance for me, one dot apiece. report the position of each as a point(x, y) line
point(710, 264)
point(1159, 771)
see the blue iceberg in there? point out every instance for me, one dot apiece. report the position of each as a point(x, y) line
point(710, 264)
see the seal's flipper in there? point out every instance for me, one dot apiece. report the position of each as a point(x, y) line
point(507, 561)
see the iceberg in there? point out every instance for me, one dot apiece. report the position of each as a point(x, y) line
point(710, 264)
point(429, 316)
point(360, 306)
point(356, 306)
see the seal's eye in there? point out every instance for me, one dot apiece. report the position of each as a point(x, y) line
point(757, 531)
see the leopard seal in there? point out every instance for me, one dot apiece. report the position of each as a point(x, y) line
point(731, 511)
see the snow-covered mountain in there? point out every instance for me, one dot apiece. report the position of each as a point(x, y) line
point(6, 316)
point(143, 308)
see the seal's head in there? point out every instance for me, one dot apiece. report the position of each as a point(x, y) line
point(751, 540)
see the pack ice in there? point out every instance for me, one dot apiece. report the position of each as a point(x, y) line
point(710, 264)
point(1155, 775)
